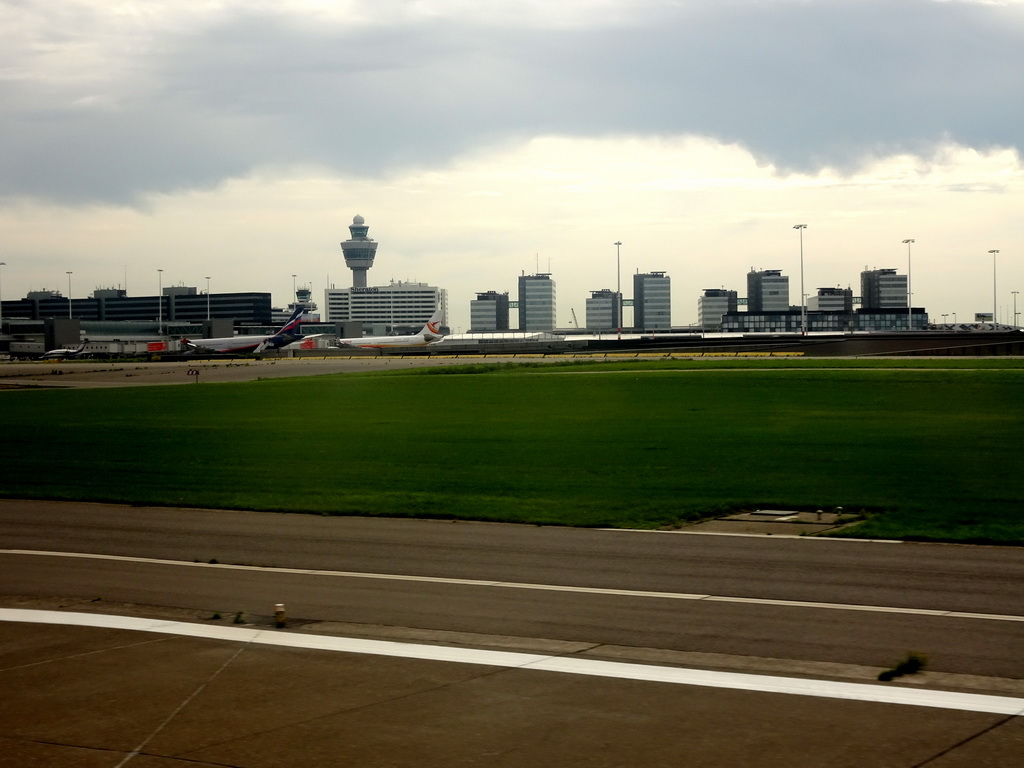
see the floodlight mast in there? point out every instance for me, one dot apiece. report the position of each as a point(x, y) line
point(618, 287)
point(995, 303)
point(160, 302)
point(2, 264)
point(803, 296)
point(910, 302)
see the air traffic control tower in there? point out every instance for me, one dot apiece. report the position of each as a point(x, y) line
point(359, 251)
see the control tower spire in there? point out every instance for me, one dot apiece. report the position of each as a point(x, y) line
point(359, 251)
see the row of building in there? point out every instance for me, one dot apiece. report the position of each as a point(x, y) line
point(402, 307)
point(882, 305)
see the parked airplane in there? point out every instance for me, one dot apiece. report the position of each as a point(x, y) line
point(63, 354)
point(240, 345)
point(429, 334)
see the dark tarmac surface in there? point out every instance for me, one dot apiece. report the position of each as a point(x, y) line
point(100, 698)
point(86, 696)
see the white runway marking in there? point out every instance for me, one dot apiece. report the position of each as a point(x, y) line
point(541, 587)
point(968, 702)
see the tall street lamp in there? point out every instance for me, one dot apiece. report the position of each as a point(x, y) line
point(803, 302)
point(910, 301)
point(618, 287)
point(1014, 307)
point(69, 294)
point(207, 298)
point(994, 302)
point(944, 316)
point(2, 264)
point(160, 302)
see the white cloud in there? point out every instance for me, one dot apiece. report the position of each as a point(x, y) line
point(111, 103)
point(704, 211)
point(479, 140)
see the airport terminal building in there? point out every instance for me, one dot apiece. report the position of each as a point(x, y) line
point(179, 303)
point(400, 307)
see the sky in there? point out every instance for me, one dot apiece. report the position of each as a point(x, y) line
point(236, 139)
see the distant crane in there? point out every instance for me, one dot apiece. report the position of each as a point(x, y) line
point(574, 320)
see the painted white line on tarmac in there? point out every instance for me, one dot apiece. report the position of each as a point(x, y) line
point(883, 694)
point(540, 587)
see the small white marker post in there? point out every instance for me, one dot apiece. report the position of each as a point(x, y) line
point(279, 618)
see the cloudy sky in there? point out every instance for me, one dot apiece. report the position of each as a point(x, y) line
point(238, 138)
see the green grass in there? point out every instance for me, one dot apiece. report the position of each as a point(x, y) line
point(932, 452)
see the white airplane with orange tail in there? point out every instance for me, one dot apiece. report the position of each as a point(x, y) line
point(429, 334)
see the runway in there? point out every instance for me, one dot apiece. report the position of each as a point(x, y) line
point(711, 605)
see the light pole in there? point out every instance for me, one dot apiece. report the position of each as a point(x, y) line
point(160, 302)
point(618, 287)
point(944, 316)
point(207, 298)
point(69, 294)
point(994, 303)
point(1014, 307)
point(803, 303)
point(2, 264)
point(910, 301)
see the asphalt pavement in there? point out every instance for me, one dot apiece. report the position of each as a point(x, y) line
point(96, 696)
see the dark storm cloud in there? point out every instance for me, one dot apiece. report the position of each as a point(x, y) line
point(800, 84)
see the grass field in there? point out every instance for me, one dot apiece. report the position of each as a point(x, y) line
point(929, 452)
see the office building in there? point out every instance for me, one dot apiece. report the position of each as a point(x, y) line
point(401, 307)
point(789, 321)
point(603, 310)
point(882, 289)
point(767, 291)
point(489, 312)
point(869, 319)
point(536, 302)
point(652, 302)
point(831, 300)
point(177, 303)
point(713, 304)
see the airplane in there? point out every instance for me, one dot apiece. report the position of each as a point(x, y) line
point(63, 354)
point(240, 345)
point(429, 334)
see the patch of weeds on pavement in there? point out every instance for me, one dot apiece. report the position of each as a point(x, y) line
point(913, 663)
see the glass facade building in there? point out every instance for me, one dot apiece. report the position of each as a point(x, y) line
point(882, 289)
point(652, 301)
point(603, 308)
point(489, 312)
point(400, 306)
point(536, 302)
point(176, 304)
point(767, 291)
point(831, 300)
point(713, 304)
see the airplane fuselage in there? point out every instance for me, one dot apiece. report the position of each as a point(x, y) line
point(387, 342)
point(234, 345)
point(241, 345)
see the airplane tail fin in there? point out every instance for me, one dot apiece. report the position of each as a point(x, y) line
point(291, 327)
point(432, 329)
